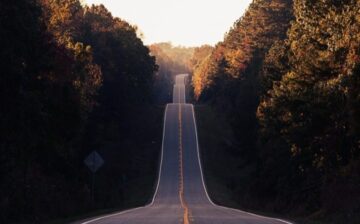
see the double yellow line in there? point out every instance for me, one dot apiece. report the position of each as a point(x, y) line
point(181, 172)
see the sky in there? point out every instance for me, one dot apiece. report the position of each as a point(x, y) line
point(181, 22)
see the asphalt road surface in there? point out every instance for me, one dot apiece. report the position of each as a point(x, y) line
point(181, 196)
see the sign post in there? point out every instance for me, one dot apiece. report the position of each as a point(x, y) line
point(93, 161)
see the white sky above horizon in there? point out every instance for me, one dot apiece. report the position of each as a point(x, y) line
point(181, 22)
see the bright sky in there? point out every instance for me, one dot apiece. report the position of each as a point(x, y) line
point(182, 22)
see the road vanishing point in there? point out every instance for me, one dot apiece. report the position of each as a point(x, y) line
point(181, 196)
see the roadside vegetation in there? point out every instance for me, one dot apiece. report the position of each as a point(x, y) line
point(278, 110)
point(172, 60)
point(74, 79)
point(286, 80)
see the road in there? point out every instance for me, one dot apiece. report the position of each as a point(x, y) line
point(181, 195)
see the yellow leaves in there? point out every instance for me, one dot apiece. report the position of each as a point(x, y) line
point(82, 53)
point(295, 150)
point(357, 17)
point(197, 81)
point(62, 19)
point(318, 160)
point(237, 61)
point(88, 49)
point(289, 80)
point(201, 77)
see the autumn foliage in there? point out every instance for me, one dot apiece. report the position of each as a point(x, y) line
point(172, 60)
point(286, 77)
point(68, 72)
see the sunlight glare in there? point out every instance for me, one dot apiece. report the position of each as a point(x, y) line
point(185, 22)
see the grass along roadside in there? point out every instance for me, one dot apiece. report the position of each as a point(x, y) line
point(128, 178)
point(216, 141)
point(220, 161)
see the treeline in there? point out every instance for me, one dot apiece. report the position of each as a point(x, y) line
point(172, 60)
point(73, 79)
point(199, 67)
point(286, 77)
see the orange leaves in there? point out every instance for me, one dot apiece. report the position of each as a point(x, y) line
point(247, 42)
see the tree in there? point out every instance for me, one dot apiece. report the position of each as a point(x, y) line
point(172, 60)
point(199, 64)
point(65, 69)
point(232, 80)
point(306, 106)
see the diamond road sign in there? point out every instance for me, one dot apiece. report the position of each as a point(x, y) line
point(94, 161)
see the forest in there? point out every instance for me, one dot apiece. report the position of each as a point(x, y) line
point(74, 79)
point(172, 60)
point(286, 78)
point(277, 104)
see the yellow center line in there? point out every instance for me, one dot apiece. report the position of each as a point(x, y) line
point(181, 188)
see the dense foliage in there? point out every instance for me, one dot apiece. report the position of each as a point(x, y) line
point(310, 106)
point(286, 77)
point(229, 76)
point(73, 78)
point(172, 61)
point(198, 64)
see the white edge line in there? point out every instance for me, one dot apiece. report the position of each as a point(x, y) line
point(185, 76)
point(203, 182)
point(174, 93)
point(178, 100)
point(157, 186)
point(179, 85)
point(184, 92)
point(162, 155)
